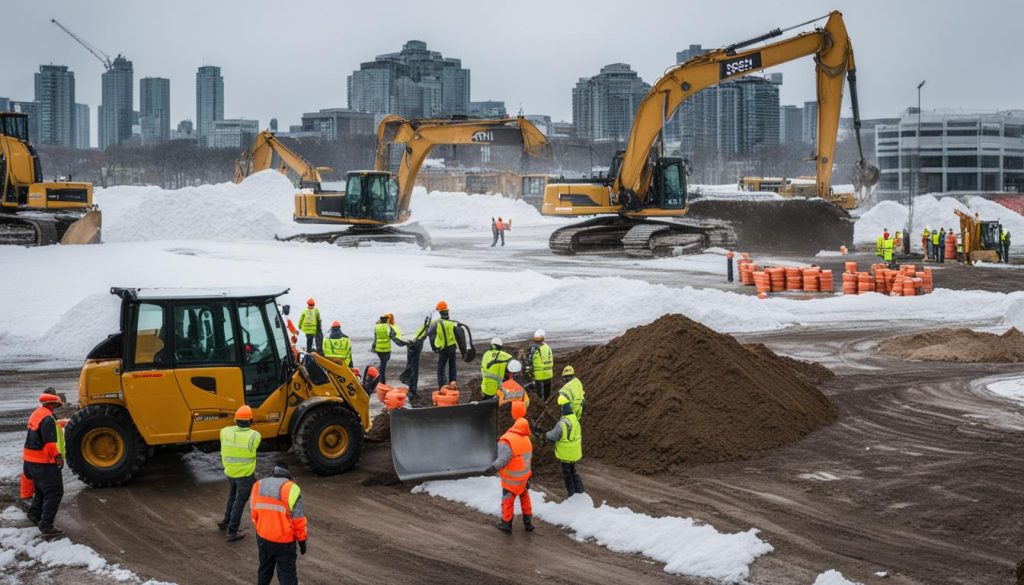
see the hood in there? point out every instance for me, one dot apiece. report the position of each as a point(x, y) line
point(521, 427)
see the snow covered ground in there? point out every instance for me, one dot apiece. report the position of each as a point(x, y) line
point(686, 546)
point(934, 212)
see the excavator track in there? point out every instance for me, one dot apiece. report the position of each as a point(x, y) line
point(355, 235)
point(640, 238)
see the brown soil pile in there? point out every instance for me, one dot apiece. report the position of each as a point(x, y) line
point(380, 428)
point(957, 345)
point(675, 392)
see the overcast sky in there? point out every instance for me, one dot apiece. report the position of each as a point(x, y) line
point(280, 59)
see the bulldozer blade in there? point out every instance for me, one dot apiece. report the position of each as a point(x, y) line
point(444, 441)
point(86, 230)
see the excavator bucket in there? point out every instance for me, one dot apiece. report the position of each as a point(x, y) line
point(86, 230)
point(444, 441)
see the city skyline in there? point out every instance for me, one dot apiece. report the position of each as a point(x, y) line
point(506, 64)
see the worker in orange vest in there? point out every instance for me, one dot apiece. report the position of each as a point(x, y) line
point(513, 464)
point(510, 389)
point(43, 459)
point(280, 522)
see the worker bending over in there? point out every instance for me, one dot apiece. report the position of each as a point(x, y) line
point(542, 362)
point(567, 435)
point(515, 450)
point(238, 445)
point(337, 345)
point(280, 522)
point(309, 323)
point(43, 458)
point(443, 341)
point(492, 368)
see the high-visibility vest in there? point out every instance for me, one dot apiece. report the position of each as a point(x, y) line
point(515, 475)
point(444, 336)
point(926, 233)
point(37, 449)
point(543, 363)
point(338, 347)
point(382, 338)
point(492, 370)
point(573, 392)
point(879, 243)
point(309, 321)
point(277, 510)
point(1003, 234)
point(238, 451)
point(887, 250)
point(569, 447)
point(935, 238)
point(511, 390)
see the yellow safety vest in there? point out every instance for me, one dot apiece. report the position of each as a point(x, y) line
point(238, 451)
point(569, 447)
point(382, 338)
point(573, 392)
point(543, 363)
point(444, 337)
point(887, 246)
point(492, 374)
point(309, 321)
point(340, 348)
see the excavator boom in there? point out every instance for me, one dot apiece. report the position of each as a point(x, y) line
point(260, 156)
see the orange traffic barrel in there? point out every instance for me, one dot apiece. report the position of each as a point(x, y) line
point(794, 278)
point(761, 281)
point(908, 288)
point(851, 267)
point(777, 276)
point(382, 391)
point(810, 280)
point(864, 283)
point(849, 283)
point(394, 399)
point(825, 283)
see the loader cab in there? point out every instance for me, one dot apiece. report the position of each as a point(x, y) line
point(371, 195)
point(990, 232)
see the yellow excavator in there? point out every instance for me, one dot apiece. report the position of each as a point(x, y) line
point(375, 201)
point(34, 212)
point(642, 203)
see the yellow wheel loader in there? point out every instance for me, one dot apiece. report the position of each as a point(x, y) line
point(181, 365)
point(33, 212)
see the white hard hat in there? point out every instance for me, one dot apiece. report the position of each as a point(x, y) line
point(497, 341)
point(515, 366)
point(538, 334)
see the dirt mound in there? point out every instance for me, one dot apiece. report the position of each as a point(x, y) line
point(793, 225)
point(675, 392)
point(958, 345)
point(380, 428)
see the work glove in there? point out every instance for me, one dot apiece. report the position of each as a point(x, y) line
point(302, 547)
point(59, 461)
point(490, 470)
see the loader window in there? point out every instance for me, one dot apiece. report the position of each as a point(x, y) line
point(261, 371)
point(203, 335)
point(149, 337)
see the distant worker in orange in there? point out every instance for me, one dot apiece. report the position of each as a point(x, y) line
point(43, 458)
point(502, 226)
point(280, 522)
point(513, 465)
point(238, 445)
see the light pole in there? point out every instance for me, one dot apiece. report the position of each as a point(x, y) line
point(917, 165)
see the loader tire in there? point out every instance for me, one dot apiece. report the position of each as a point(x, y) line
point(104, 448)
point(329, 440)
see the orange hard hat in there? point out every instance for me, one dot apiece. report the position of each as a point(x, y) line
point(442, 306)
point(243, 413)
point(47, 398)
point(518, 409)
point(335, 323)
point(372, 372)
point(310, 301)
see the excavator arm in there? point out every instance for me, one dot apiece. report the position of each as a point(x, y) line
point(260, 156)
point(833, 56)
point(421, 136)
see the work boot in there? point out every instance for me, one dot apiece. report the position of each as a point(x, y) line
point(33, 519)
point(222, 526)
point(528, 523)
point(50, 532)
point(504, 526)
point(232, 537)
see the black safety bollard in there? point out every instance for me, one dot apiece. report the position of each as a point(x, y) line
point(728, 266)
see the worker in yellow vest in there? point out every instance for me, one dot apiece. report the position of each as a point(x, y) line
point(567, 435)
point(887, 251)
point(238, 445)
point(337, 345)
point(441, 333)
point(492, 368)
point(383, 334)
point(926, 237)
point(309, 323)
point(542, 363)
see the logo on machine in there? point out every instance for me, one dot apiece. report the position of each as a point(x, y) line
point(483, 136)
point(738, 65)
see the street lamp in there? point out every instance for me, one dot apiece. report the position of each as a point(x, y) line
point(917, 172)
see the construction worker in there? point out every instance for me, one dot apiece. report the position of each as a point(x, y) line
point(411, 375)
point(926, 237)
point(513, 463)
point(492, 368)
point(494, 232)
point(1004, 239)
point(443, 341)
point(940, 246)
point(337, 345)
point(511, 390)
point(960, 247)
point(383, 334)
point(309, 323)
point(572, 389)
point(887, 251)
point(238, 445)
point(43, 459)
point(542, 363)
point(502, 226)
point(879, 243)
point(518, 409)
point(280, 522)
point(567, 435)
point(935, 246)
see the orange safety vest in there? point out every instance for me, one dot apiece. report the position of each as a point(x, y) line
point(515, 475)
point(272, 514)
point(36, 450)
point(501, 225)
point(511, 390)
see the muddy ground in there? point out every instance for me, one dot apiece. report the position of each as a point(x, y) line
point(919, 477)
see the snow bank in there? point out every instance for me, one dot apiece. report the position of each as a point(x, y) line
point(21, 549)
point(1012, 388)
point(834, 577)
point(933, 212)
point(686, 546)
point(443, 210)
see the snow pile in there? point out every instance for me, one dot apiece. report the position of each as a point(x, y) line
point(834, 577)
point(443, 210)
point(255, 209)
point(1012, 388)
point(22, 548)
point(731, 192)
point(933, 212)
point(10, 454)
point(686, 546)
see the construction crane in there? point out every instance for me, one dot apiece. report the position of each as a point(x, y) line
point(103, 57)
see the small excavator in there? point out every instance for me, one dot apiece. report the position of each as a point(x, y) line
point(642, 202)
point(34, 212)
point(375, 201)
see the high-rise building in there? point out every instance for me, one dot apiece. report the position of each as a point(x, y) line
point(82, 132)
point(209, 99)
point(335, 123)
point(232, 133)
point(117, 108)
point(184, 131)
point(55, 99)
point(759, 111)
point(541, 121)
point(413, 83)
point(155, 109)
point(791, 125)
point(810, 122)
point(488, 109)
point(32, 110)
point(603, 106)
point(5, 104)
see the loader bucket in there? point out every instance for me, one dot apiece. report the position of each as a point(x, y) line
point(444, 441)
point(86, 230)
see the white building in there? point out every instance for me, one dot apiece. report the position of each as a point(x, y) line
point(235, 133)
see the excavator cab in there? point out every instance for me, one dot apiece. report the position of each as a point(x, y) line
point(669, 184)
point(371, 195)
